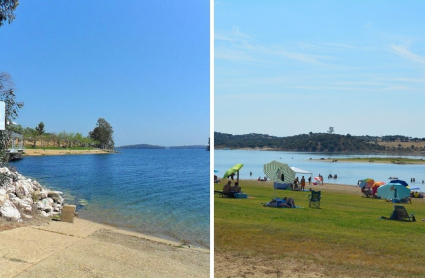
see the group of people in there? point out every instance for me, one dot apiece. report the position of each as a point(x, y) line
point(416, 194)
point(332, 177)
point(228, 188)
point(286, 203)
point(298, 185)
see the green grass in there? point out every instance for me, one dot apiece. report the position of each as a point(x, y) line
point(345, 236)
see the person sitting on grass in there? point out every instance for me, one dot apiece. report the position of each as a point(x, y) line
point(228, 187)
point(286, 203)
point(366, 192)
point(236, 188)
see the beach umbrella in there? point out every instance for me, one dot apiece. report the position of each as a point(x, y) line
point(279, 172)
point(399, 182)
point(234, 169)
point(378, 184)
point(393, 191)
point(366, 182)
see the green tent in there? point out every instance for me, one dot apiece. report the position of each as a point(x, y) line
point(279, 172)
point(234, 169)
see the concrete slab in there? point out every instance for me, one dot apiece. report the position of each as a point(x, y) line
point(31, 246)
point(11, 266)
point(80, 228)
point(110, 254)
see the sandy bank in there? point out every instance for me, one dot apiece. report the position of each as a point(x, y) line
point(88, 249)
point(371, 160)
point(39, 152)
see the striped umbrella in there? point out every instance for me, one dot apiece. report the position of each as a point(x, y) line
point(279, 172)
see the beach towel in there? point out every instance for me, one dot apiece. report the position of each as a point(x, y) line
point(275, 204)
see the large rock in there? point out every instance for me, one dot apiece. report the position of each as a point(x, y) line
point(9, 211)
point(19, 194)
point(24, 205)
point(23, 188)
point(3, 198)
point(52, 194)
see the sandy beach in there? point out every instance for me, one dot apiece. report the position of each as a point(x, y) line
point(88, 249)
point(39, 152)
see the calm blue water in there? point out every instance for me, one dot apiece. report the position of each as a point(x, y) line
point(158, 192)
point(348, 173)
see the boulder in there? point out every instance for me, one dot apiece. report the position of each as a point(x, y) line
point(54, 194)
point(3, 197)
point(9, 211)
point(23, 189)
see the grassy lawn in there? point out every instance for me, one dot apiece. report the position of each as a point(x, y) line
point(345, 236)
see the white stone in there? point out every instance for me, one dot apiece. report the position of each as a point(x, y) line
point(3, 198)
point(23, 188)
point(9, 211)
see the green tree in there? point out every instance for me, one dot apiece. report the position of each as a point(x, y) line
point(40, 128)
point(11, 113)
point(7, 7)
point(103, 133)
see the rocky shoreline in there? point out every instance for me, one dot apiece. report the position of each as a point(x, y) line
point(22, 198)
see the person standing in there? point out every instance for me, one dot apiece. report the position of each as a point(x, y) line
point(302, 183)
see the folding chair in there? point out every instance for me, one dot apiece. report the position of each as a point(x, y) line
point(314, 199)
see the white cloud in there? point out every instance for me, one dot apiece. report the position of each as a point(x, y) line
point(406, 54)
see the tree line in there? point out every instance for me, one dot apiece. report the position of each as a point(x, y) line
point(100, 137)
point(311, 142)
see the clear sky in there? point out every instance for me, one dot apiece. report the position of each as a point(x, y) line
point(141, 65)
point(291, 67)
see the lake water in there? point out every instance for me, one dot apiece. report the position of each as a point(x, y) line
point(159, 192)
point(348, 173)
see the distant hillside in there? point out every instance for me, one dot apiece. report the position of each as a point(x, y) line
point(141, 146)
point(316, 142)
point(204, 147)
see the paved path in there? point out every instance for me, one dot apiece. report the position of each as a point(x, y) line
point(87, 249)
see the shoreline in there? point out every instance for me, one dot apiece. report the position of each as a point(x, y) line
point(369, 160)
point(157, 238)
point(86, 247)
point(41, 152)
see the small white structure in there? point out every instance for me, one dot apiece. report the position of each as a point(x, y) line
point(301, 171)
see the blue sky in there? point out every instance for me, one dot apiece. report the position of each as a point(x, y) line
point(290, 67)
point(141, 65)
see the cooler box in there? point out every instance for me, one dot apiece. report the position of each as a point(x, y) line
point(241, 196)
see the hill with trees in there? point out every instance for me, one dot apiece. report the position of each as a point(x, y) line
point(315, 142)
